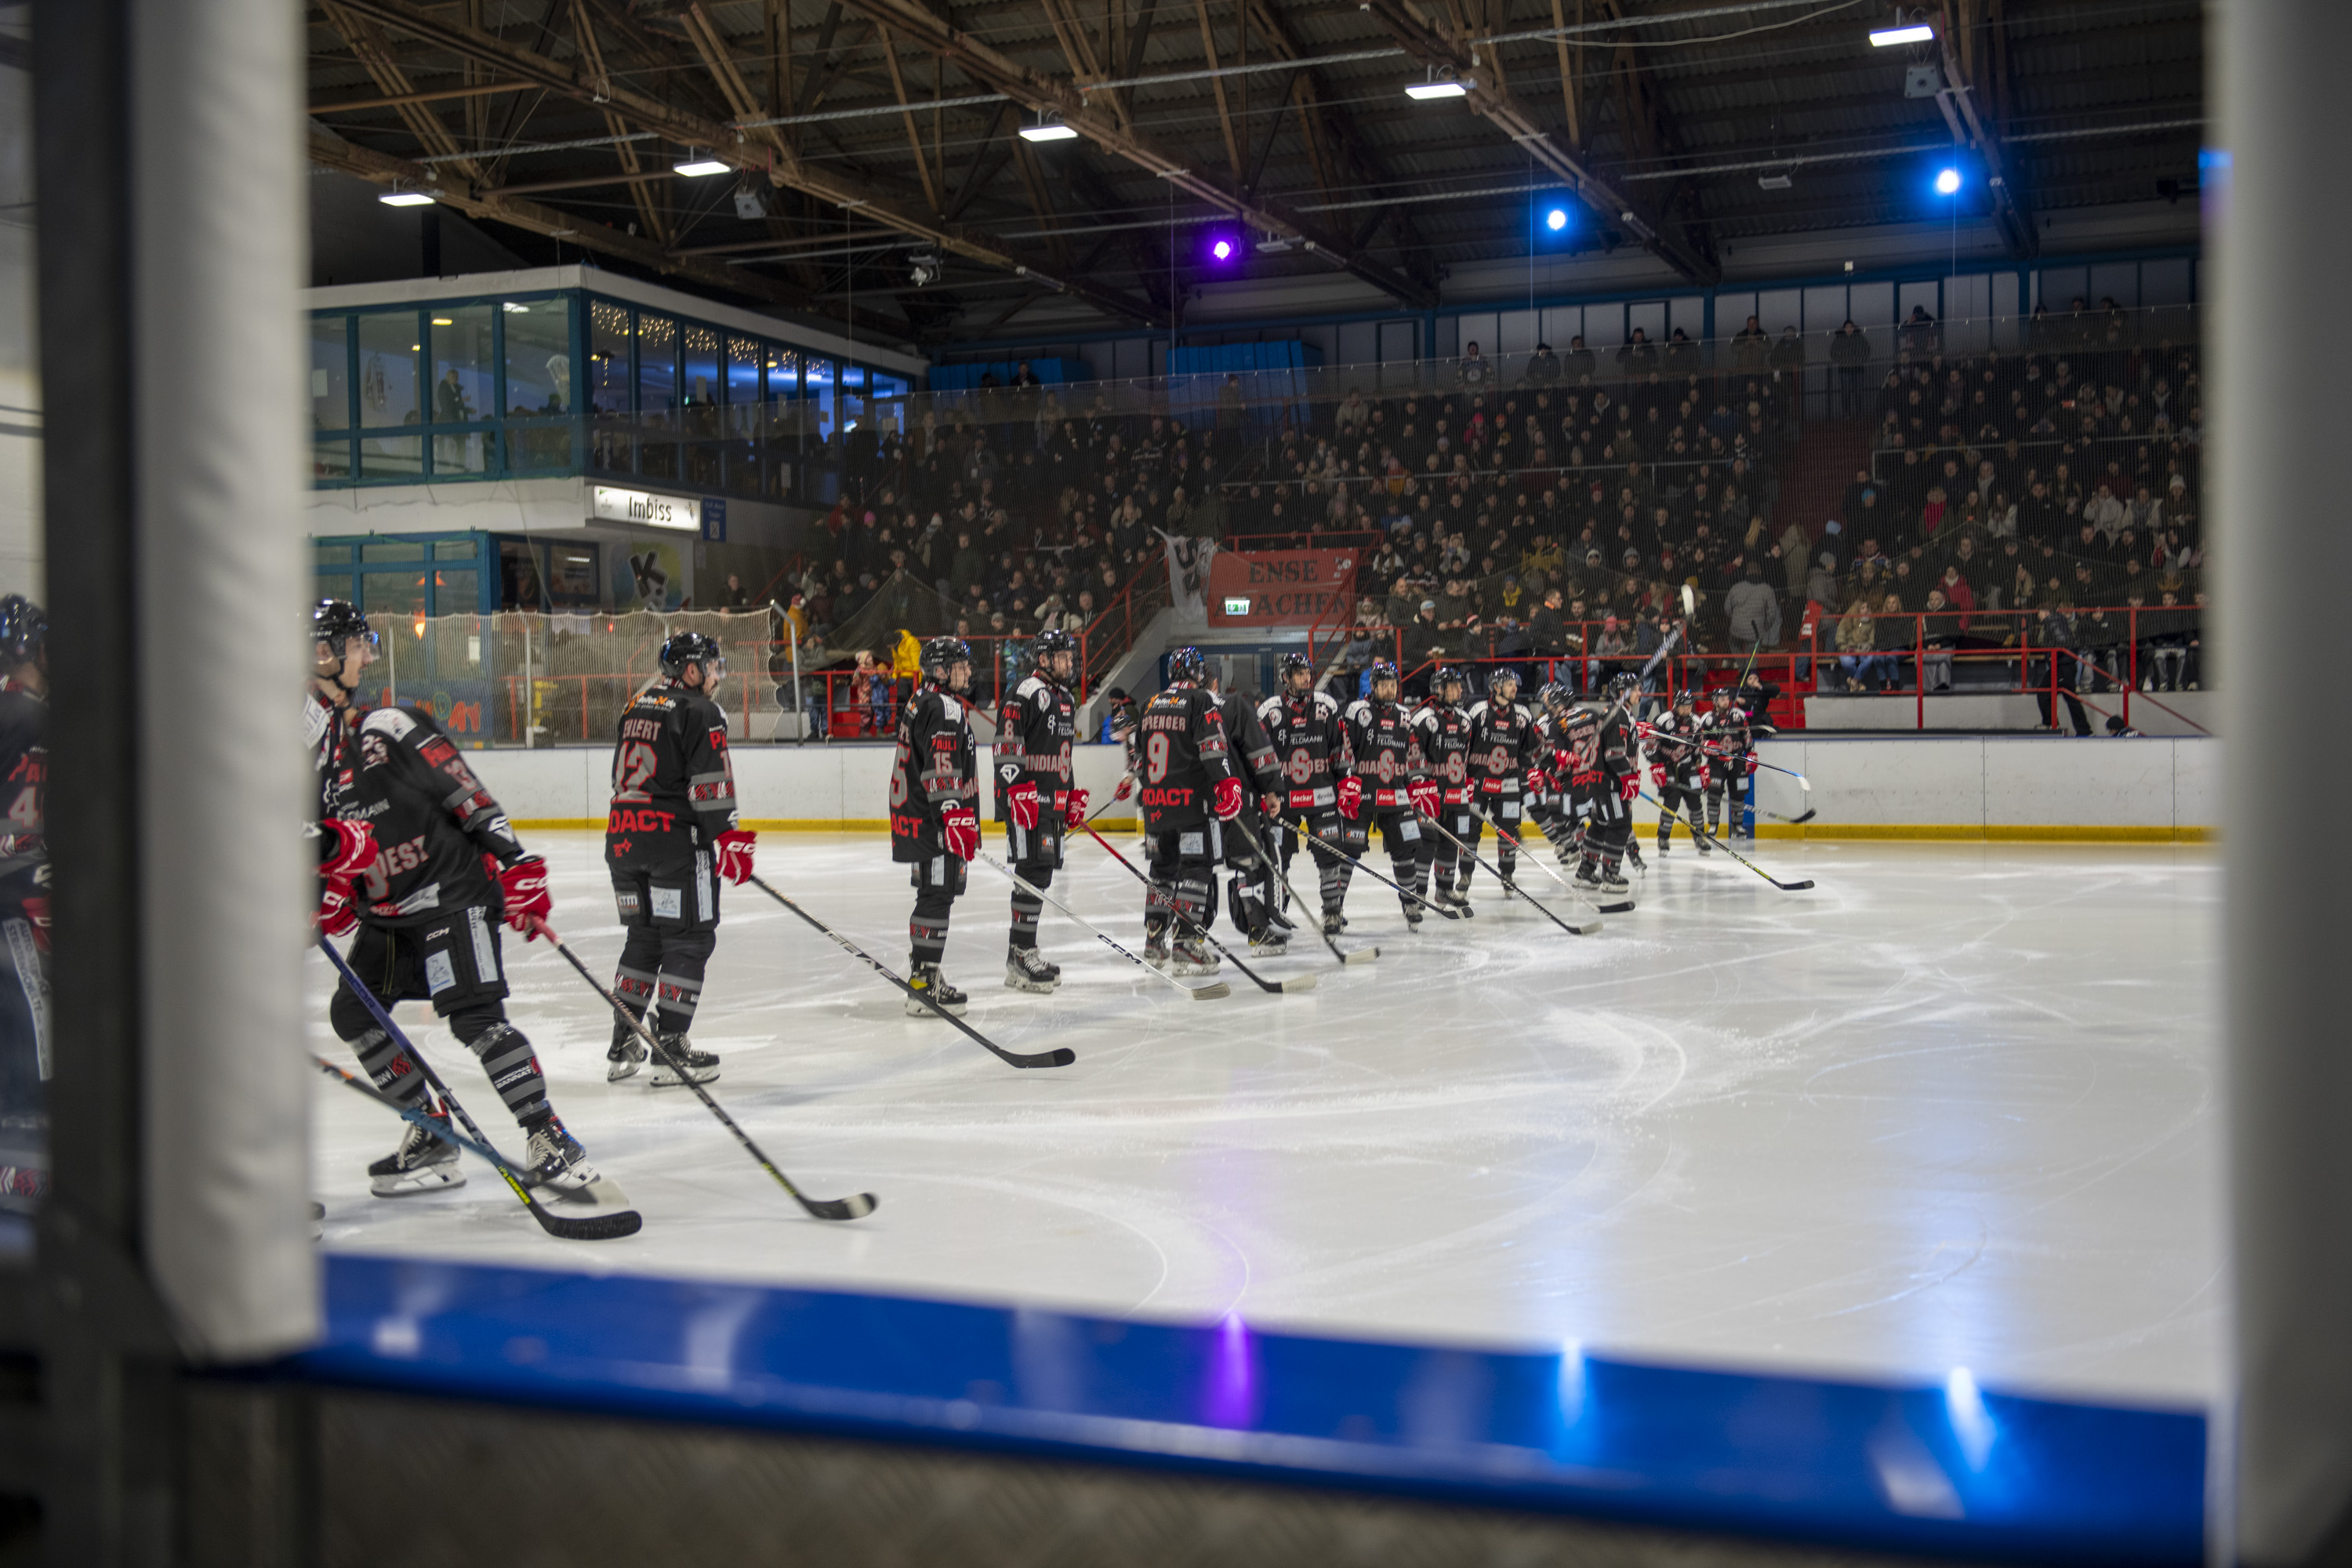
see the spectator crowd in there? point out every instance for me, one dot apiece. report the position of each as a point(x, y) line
point(1557, 508)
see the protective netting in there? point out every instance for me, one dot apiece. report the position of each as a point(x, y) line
point(536, 679)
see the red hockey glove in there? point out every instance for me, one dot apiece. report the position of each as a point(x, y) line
point(353, 849)
point(735, 855)
point(1422, 793)
point(336, 915)
point(37, 909)
point(1074, 810)
point(1351, 797)
point(1705, 775)
point(1021, 807)
point(1658, 776)
point(1125, 787)
point(1535, 782)
point(961, 830)
point(1751, 765)
point(524, 887)
point(1631, 787)
point(1229, 798)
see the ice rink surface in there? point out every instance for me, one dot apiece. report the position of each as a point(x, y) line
point(1957, 1107)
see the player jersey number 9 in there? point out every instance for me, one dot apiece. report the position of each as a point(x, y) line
point(1155, 757)
point(633, 768)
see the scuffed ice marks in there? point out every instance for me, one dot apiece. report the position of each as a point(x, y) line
point(1955, 1107)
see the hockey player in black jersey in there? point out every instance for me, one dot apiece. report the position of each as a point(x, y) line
point(1606, 787)
point(1310, 751)
point(1505, 762)
point(670, 834)
point(1190, 792)
point(934, 813)
point(1442, 729)
point(1727, 737)
point(1676, 768)
point(1036, 800)
point(25, 1036)
point(447, 869)
point(1249, 885)
point(1397, 789)
point(1549, 779)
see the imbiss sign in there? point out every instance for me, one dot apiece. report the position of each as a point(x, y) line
point(1276, 587)
point(610, 503)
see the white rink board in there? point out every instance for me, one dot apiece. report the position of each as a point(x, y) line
point(2153, 787)
point(1959, 1106)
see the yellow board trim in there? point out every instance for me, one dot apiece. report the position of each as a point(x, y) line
point(782, 823)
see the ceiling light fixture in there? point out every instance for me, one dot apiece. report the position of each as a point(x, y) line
point(396, 197)
point(696, 167)
point(1423, 91)
point(1049, 128)
point(1885, 38)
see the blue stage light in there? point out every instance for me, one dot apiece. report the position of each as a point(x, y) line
point(1947, 181)
point(1556, 219)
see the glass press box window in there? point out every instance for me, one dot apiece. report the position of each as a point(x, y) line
point(572, 383)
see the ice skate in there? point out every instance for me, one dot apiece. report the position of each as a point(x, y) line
point(1412, 914)
point(1192, 956)
point(624, 1056)
point(931, 987)
point(421, 1164)
point(1272, 942)
point(1332, 922)
point(1155, 950)
point(700, 1065)
point(1025, 969)
point(557, 1160)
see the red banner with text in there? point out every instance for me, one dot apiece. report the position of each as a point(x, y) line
point(1276, 587)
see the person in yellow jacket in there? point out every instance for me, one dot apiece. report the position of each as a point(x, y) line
point(906, 664)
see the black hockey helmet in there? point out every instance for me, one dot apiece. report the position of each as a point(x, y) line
point(24, 630)
point(336, 621)
point(1554, 695)
point(1054, 640)
point(1448, 675)
point(1624, 685)
point(939, 653)
point(1723, 695)
point(1382, 669)
point(1293, 662)
point(1502, 674)
point(682, 649)
point(1186, 664)
point(1686, 698)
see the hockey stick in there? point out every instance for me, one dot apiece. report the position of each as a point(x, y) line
point(616, 1221)
point(855, 1206)
point(1296, 983)
point(1114, 799)
point(1479, 859)
point(1521, 846)
point(1211, 993)
point(1805, 786)
point(1698, 831)
point(604, 1226)
point(1365, 867)
point(1059, 1057)
point(1361, 955)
